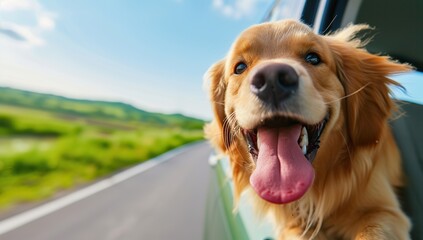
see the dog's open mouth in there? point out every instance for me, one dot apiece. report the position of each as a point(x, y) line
point(309, 140)
point(283, 150)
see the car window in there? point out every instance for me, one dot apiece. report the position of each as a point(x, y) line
point(396, 34)
point(397, 28)
point(286, 9)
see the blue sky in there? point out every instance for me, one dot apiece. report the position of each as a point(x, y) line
point(151, 54)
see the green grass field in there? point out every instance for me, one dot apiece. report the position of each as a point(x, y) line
point(43, 152)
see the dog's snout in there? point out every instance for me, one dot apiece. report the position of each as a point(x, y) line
point(274, 82)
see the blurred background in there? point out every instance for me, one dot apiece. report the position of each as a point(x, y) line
point(90, 88)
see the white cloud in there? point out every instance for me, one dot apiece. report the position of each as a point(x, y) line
point(13, 5)
point(26, 34)
point(237, 8)
point(46, 22)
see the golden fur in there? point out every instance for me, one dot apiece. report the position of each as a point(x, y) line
point(358, 165)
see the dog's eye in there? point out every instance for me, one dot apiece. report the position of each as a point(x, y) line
point(240, 68)
point(313, 58)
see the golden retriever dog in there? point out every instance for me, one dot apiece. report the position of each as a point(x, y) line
point(304, 120)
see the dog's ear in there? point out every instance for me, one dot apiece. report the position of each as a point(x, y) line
point(217, 131)
point(366, 84)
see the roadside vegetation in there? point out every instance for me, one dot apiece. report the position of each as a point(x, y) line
point(43, 151)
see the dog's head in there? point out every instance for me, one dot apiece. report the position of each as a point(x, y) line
point(283, 92)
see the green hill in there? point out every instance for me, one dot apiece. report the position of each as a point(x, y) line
point(93, 109)
point(50, 143)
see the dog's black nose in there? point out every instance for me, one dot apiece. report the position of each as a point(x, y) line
point(274, 82)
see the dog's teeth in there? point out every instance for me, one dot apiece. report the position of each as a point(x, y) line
point(304, 137)
point(304, 140)
point(258, 139)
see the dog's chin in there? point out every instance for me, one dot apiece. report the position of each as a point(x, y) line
point(283, 149)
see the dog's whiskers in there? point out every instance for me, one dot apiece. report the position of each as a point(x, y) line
point(349, 95)
point(218, 103)
point(329, 25)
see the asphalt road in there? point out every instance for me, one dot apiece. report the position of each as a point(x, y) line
point(166, 201)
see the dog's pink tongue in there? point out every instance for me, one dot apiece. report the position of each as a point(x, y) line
point(282, 174)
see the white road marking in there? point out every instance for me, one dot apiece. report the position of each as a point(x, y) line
point(43, 210)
